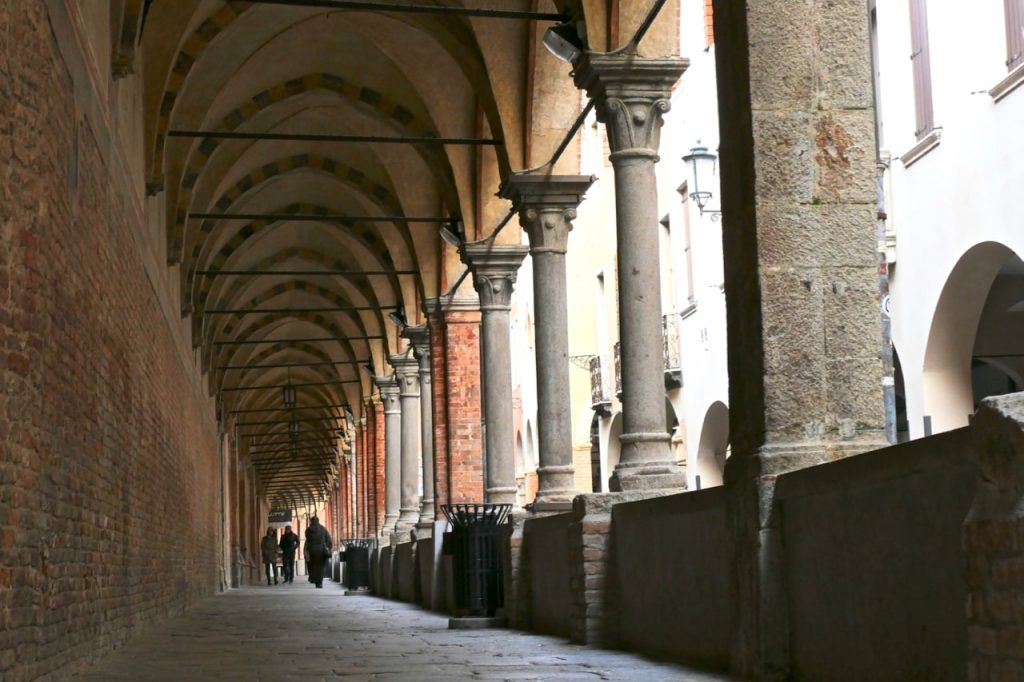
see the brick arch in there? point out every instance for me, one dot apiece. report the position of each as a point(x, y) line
point(348, 175)
point(200, 287)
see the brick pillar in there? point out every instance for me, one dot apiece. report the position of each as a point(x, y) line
point(457, 407)
point(378, 467)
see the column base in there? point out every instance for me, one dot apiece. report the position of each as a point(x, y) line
point(426, 514)
point(501, 496)
point(542, 506)
point(667, 476)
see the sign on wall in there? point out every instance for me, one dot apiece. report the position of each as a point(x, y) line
point(279, 516)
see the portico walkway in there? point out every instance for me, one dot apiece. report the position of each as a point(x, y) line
point(297, 632)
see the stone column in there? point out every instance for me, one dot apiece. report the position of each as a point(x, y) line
point(407, 374)
point(494, 270)
point(547, 207)
point(392, 451)
point(632, 93)
point(419, 337)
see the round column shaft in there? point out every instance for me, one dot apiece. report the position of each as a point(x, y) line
point(392, 451)
point(419, 337)
point(632, 94)
point(494, 270)
point(547, 206)
point(407, 373)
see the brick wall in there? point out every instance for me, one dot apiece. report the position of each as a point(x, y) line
point(462, 415)
point(378, 465)
point(109, 463)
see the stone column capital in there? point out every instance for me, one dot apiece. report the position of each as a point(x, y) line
point(631, 94)
point(407, 374)
point(494, 268)
point(388, 393)
point(419, 338)
point(547, 207)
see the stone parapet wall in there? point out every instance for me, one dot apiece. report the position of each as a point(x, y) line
point(110, 473)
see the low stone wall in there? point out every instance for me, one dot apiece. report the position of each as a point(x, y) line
point(404, 572)
point(545, 560)
point(874, 568)
point(671, 578)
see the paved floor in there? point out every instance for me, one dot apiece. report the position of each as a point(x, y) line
point(297, 632)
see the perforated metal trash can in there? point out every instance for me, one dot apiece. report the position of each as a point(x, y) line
point(474, 544)
point(357, 563)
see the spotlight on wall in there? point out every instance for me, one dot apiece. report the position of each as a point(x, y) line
point(564, 42)
point(703, 163)
point(398, 317)
point(453, 233)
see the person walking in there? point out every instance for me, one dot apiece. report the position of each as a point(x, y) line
point(268, 547)
point(318, 545)
point(289, 543)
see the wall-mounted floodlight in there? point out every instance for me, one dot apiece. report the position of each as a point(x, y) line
point(368, 368)
point(398, 317)
point(453, 233)
point(564, 42)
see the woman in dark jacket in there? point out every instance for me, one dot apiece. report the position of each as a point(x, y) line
point(318, 545)
point(268, 547)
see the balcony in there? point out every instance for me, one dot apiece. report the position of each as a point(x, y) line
point(670, 349)
point(600, 400)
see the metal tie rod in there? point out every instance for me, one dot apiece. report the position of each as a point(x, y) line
point(420, 9)
point(316, 137)
point(286, 409)
point(302, 385)
point(289, 341)
point(214, 273)
point(293, 364)
point(313, 217)
point(246, 311)
point(288, 421)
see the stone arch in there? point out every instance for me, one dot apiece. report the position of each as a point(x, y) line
point(946, 373)
point(713, 446)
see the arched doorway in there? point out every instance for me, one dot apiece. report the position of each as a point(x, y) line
point(713, 448)
point(975, 345)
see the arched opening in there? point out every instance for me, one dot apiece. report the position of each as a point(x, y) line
point(713, 448)
point(902, 423)
point(596, 474)
point(975, 345)
point(614, 450)
point(520, 470)
point(530, 462)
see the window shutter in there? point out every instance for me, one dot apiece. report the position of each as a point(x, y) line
point(1014, 33)
point(921, 59)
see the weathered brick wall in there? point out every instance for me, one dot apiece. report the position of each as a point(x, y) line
point(109, 480)
point(462, 413)
point(378, 466)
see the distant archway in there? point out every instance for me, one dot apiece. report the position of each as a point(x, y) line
point(614, 448)
point(975, 328)
point(714, 446)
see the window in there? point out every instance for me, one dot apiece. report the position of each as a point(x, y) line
point(1014, 33)
point(921, 58)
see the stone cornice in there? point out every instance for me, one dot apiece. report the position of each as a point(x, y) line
point(547, 207)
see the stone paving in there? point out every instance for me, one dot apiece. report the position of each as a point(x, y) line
point(296, 632)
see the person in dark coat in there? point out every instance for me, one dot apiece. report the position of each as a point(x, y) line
point(318, 546)
point(289, 543)
point(268, 547)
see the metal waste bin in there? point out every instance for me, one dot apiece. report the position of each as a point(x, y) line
point(356, 556)
point(474, 544)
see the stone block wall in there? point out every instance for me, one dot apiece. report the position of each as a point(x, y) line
point(109, 466)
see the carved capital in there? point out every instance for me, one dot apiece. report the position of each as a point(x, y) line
point(407, 373)
point(494, 269)
point(388, 393)
point(631, 94)
point(547, 207)
point(419, 338)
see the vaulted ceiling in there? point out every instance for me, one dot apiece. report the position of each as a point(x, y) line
point(284, 142)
